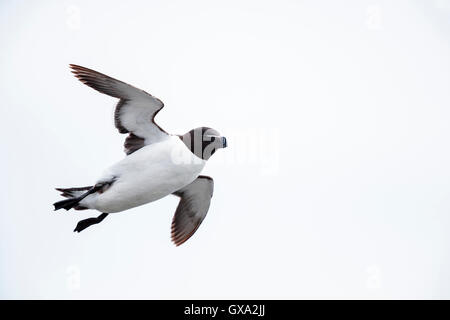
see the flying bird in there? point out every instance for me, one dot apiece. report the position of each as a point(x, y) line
point(157, 163)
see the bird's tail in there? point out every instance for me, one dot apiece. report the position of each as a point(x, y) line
point(74, 195)
point(67, 204)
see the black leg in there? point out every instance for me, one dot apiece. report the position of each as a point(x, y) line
point(83, 224)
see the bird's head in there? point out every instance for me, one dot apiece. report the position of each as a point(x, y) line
point(204, 141)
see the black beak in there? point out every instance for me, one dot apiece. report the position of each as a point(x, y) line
point(224, 142)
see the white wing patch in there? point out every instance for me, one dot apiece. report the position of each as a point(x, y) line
point(135, 111)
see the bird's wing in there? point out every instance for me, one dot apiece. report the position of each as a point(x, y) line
point(192, 208)
point(135, 111)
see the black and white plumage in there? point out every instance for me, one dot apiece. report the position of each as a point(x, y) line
point(157, 163)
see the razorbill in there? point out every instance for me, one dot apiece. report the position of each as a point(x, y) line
point(156, 164)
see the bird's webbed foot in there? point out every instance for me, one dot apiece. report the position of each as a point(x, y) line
point(83, 224)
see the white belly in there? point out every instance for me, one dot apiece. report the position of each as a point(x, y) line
point(146, 175)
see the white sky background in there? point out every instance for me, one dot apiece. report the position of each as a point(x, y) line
point(336, 181)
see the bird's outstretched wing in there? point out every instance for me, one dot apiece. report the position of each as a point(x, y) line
point(192, 208)
point(135, 112)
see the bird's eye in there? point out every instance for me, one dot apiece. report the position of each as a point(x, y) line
point(209, 137)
